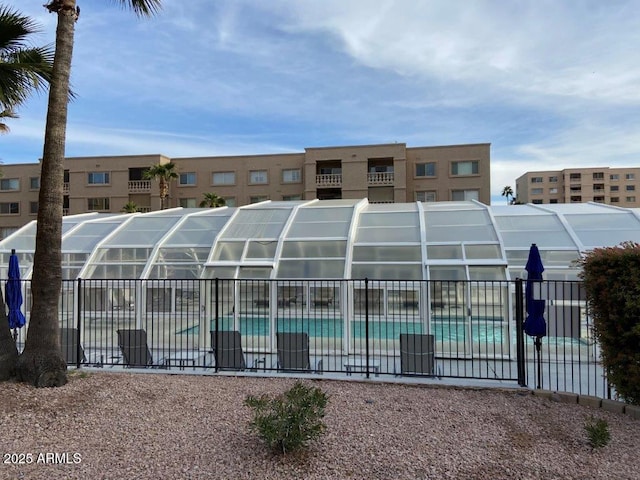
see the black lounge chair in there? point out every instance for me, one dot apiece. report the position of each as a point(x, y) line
point(135, 350)
point(293, 351)
point(69, 346)
point(417, 354)
point(227, 350)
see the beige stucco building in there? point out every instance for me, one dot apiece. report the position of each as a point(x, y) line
point(613, 186)
point(383, 173)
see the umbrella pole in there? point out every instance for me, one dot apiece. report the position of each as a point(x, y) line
point(15, 335)
point(538, 343)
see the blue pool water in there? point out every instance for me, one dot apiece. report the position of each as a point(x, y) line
point(447, 331)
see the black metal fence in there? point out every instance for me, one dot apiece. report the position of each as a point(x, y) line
point(422, 329)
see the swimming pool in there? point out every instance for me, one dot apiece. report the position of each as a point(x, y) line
point(451, 330)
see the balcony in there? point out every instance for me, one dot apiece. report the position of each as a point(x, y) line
point(139, 186)
point(380, 178)
point(329, 180)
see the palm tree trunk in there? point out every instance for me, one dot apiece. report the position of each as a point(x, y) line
point(41, 362)
point(8, 350)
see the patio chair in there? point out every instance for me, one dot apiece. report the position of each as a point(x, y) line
point(135, 350)
point(69, 346)
point(293, 352)
point(226, 347)
point(417, 354)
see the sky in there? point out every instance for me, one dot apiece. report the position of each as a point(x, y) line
point(549, 84)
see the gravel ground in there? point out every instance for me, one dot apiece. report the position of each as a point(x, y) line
point(159, 426)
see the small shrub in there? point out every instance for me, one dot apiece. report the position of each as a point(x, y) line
point(291, 420)
point(598, 432)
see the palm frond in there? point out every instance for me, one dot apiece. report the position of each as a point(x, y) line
point(142, 8)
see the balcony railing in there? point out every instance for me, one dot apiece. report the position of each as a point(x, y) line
point(65, 187)
point(380, 178)
point(144, 209)
point(139, 186)
point(329, 180)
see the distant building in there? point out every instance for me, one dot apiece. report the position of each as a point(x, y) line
point(386, 173)
point(612, 186)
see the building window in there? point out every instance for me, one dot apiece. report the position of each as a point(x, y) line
point(598, 199)
point(614, 177)
point(630, 188)
point(223, 178)
point(631, 199)
point(258, 199)
point(464, 168)
point(553, 190)
point(615, 199)
point(576, 198)
point(97, 204)
point(537, 201)
point(553, 179)
point(598, 175)
point(426, 196)
point(291, 198)
point(575, 188)
point(598, 187)
point(291, 175)
point(9, 184)
point(98, 178)
point(188, 178)
point(575, 177)
point(230, 201)
point(630, 176)
point(258, 177)
point(460, 195)
point(536, 179)
point(9, 208)
point(553, 200)
point(188, 202)
point(536, 191)
point(615, 188)
point(33, 208)
point(34, 183)
point(426, 169)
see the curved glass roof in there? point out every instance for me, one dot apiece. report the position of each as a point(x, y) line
point(332, 239)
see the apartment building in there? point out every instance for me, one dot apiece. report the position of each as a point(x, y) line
point(612, 186)
point(384, 173)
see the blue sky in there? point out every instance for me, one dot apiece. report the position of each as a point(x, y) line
point(550, 84)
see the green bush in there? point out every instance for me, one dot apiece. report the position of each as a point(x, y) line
point(291, 420)
point(612, 282)
point(598, 432)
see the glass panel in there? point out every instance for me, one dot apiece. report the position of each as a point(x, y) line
point(254, 272)
point(386, 272)
point(292, 249)
point(230, 251)
point(311, 269)
point(262, 249)
point(487, 273)
point(318, 230)
point(482, 251)
point(388, 219)
point(388, 234)
point(387, 253)
point(447, 273)
point(444, 252)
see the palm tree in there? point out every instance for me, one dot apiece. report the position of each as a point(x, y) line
point(211, 200)
point(129, 207)
point(164, 173)
point(508, 192)
point(23, 69)
point(41, 363)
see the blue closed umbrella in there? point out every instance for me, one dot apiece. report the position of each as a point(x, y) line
point(535, 324)
point(13, 294)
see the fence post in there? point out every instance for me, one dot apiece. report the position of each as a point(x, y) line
point(215, 345)
point(366, 325)
point(520, 353)
point(79, 323)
